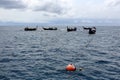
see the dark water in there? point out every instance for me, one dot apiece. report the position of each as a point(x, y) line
point(43, 55)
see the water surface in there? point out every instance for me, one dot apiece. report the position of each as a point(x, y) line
point(43, 55)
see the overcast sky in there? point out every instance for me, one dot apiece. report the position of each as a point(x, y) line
point(46, 10)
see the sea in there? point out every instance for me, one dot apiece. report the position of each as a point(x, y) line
point(44, 54)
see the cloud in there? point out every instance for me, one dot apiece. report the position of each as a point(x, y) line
point(112, 2)
point(12, 4)
point(50, 7)
point(58, 7)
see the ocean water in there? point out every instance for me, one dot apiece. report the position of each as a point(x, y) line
point(43, 55)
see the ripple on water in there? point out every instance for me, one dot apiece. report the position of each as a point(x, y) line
point(34, 46)
point(102, 62)
point(40, 50)
point(4, 60)
point(4, 77)
point(26, 51)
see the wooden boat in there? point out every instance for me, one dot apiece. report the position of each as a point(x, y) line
point(71, 29)
point(30, 29)
point(91, 30)
point(50, 28)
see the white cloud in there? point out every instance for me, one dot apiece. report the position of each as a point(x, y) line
point(98, 9)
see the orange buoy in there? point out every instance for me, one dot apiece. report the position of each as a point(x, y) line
point(70, 67)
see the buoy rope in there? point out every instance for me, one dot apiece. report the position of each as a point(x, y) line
point(89, 41)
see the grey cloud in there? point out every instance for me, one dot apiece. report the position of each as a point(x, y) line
point(117, 3)
point(12, 4)
point(48, 6)
point(51, 7)
point(114, 3)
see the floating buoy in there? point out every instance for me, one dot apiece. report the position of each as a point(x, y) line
point(70, 67)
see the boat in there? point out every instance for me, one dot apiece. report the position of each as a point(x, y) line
point(71, 29)
point(30, 29)
point(50, 28)
point(91, 30)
